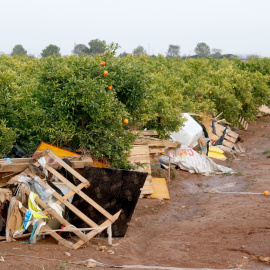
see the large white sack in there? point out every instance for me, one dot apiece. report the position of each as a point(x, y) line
point(189, 160)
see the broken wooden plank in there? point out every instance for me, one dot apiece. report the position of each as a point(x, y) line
point(64, 201)
point(227, 143)
point(232, 133)
point(139, 150)
point(67, 167)
point(230, 139)
point(78, 191)
point(93, 233)
point(146, 132)
point(14, 167)
point(150, 142)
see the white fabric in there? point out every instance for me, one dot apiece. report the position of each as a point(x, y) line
point(42, 161)
point(58, 208)
point(189, 160)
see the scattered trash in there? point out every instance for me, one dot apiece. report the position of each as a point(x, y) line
point(190, 160)
point(102, 248)
point(33, 200)
point(90, 264)
point(189, 134)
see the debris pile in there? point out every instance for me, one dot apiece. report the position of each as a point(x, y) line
point(147, 150)
point(34, 203)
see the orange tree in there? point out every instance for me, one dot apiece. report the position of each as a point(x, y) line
point(71, 102)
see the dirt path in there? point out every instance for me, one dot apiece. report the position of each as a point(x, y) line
point(195, 229)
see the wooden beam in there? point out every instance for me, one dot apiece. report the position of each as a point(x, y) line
point(53, 234)
point(57, 216)
point(95, 232)
point(67, 167)
point(65, 202)
point(78, 191)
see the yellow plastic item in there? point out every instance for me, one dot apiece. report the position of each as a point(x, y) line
point(57, 150)
point(215, 152)
point(65, 153)
point(160, 189)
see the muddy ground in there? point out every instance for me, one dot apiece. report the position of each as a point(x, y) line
point(195, 229)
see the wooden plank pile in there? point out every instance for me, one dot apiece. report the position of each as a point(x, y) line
point(231, 141)
point(36, 174)
point(147, 150)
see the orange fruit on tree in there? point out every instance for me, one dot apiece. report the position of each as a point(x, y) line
point(110, 87)
point(200, 116)
point(125, 121)
point(157, 114)
point(161, 120)
point(103, 63)
point(266, 192)
point(105, 72)
point(210, 92)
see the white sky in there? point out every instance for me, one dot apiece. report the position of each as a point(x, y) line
point(234, 26)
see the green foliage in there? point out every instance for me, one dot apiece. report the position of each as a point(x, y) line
point(51, 50)
point(7, 139)
point(18, 50)
point(266, 152)
point(65, 101)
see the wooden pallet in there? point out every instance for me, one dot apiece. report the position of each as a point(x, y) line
point(20, 164)
point(230, 137)
point(243, 123)
point(146, 151)
point(84, 238)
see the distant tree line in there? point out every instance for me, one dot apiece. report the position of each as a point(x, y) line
point(96, 46)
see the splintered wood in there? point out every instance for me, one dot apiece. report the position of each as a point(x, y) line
point(146, 151)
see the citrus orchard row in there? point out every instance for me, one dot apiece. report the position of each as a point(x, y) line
point(95, 102)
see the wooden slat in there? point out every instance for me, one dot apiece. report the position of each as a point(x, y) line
point(53, 213)
point(53, 234)
point(139, 150)
point(67, 167)
point(79, 192)
point(223, 121)
point(227, 143)
point(146, 132)
point(230, 139)
point(150, 142)
point(14, 167)
point(140, 159)
point(71, 193)
point(95, 232)
point(65, 202)
point(219, 129)
point(232, 133)
point(157, 150)
point(18, 160)
point(80, 164)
